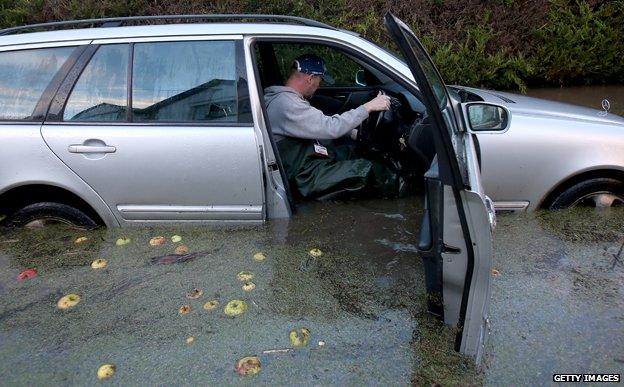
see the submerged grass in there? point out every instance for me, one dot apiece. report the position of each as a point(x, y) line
point(584, 224)
point(357, 293)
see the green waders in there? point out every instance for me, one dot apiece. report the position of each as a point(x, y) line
point(340, 174)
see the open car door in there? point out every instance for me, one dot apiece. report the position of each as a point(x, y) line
point(456, 234)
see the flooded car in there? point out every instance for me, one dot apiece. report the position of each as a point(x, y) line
point(115, 140)
point(548, 154)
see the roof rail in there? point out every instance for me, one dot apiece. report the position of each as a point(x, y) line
point(118, 21)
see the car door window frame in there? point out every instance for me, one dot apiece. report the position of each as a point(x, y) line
point(460, 182)
point(55, 112)
point(123, 49)
point(366, 58)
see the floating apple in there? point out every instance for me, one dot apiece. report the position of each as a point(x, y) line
point(235, 308)
point(259, 257)
point(26, 274)
point(157, 241)
point(210, 305)
point(105, 371)
point(248, 366)
point(182, 249)
point(68, 301)
point(245, 276)
point(122, 241)
point(299, 337)
point(194, 294)
point(316, 253)
point(99, 264)
point(81, 239)
point(249, 286)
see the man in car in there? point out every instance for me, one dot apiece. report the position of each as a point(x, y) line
point(321, 170)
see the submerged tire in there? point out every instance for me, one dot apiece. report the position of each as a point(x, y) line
point(599, 192)
point(50, 212)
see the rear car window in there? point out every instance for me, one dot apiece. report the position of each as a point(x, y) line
point(100, 94)
point(194, 81)
point(24, 75)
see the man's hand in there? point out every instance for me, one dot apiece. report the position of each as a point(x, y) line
point(379, 103)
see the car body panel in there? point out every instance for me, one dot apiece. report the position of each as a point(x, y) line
point(41, 167)
point(545, 147)
point(176, 173)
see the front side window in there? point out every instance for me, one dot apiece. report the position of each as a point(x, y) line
point(441, 97)
point(101, 91)
point(193, 81)
point(345, 71)
point(24, 75)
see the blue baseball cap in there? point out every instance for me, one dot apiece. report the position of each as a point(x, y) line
point(312, 64)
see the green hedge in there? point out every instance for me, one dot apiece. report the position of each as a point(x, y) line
point(501, 44)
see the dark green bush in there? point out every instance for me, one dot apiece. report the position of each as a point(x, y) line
point(579, 44)
point(469, 62)
point(17, 12)
point(487, 43)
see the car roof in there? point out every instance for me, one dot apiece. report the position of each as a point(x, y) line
point(168, 30)
point(84, 35)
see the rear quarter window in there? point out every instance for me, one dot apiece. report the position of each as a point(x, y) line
point(24, 75)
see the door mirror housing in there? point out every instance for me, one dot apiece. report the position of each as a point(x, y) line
point(486, 117)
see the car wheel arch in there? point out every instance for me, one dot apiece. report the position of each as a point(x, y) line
point(570, 181)
point(20, 196)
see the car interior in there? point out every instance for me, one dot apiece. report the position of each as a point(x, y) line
point(400, 137)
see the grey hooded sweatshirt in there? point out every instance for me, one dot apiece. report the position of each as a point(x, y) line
point(291, 115)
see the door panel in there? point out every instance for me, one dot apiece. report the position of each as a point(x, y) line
point(185, 150)
point(167, 172)
point(459, 243)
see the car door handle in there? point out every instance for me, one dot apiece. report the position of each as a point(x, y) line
point(91, 149)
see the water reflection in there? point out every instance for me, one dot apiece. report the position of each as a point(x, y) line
point(590, 96)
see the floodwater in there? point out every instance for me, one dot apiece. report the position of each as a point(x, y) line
point(590, 96)
point(362, 300)
point(556, 302)
point(558, 297)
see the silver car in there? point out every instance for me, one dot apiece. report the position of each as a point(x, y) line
point(154, 124)
point(551, 154)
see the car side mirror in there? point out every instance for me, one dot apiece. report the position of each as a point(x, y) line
point(360, 78)
point(485, 117)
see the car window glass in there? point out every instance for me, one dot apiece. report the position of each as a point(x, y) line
point(101, 91)
point(440, 94)
point(185, 81)
point(342, 68)
point(24, 76)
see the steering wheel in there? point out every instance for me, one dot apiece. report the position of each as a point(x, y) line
point(369, 128)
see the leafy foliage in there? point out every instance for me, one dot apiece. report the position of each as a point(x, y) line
point(469, 62)
point(496, 44)
point(581, 44)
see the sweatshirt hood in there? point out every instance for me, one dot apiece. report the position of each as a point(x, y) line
point(271, 92)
